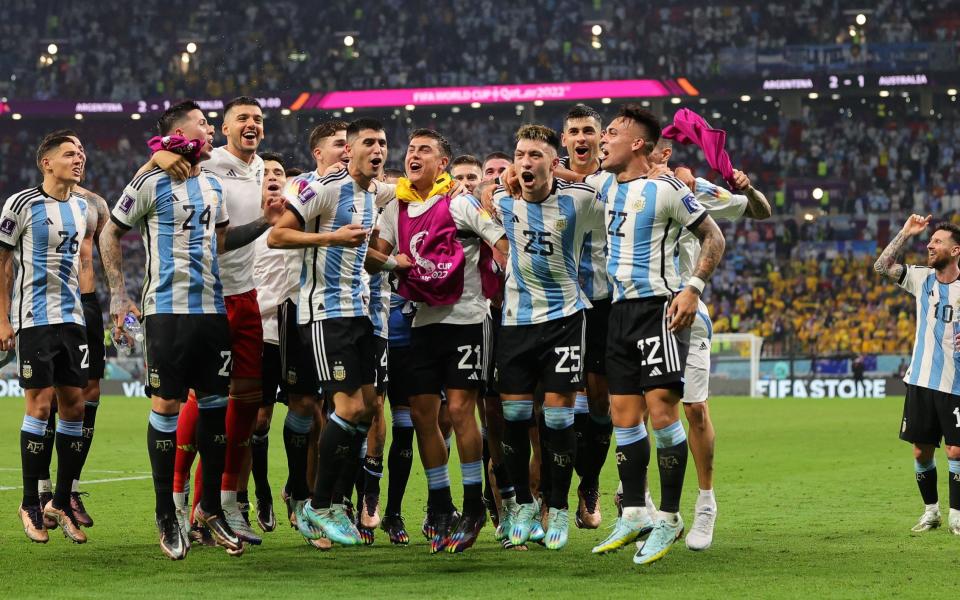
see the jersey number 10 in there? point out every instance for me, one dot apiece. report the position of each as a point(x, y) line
point(944, 312)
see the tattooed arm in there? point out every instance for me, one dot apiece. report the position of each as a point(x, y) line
point(683, 309)
point(887, 263)
point(112, 259)
point(97, 216)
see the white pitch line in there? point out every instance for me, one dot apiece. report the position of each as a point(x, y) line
point(18, 469)
point(113, 480)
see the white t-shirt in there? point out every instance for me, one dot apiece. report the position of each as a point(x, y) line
point(276, 273)
point(721, 204)
point(242, 193)
point(469, 218)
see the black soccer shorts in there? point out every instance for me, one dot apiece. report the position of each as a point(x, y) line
point(343, 351)
point(187, 352)
point(929, 415)
point(642, 354)
point(549, 354)
point(296, 356)
point(53, 355)
point(446, 356)
point(595, 353)
point(93, 316)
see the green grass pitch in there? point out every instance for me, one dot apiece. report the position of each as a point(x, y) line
point(816, 499)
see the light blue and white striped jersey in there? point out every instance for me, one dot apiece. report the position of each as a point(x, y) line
point(593, 260)
point(546, 240)
point(378, 285)
point(721, 204)
point(332, 278)
point(935, 363)
point(178, 222)
point(45, 235)
point(643, 221)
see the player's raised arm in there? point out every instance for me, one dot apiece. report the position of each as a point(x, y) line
point(887, 263)
point(112, 259)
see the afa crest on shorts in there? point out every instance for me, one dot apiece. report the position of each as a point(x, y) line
point(339, 372)
point(26, 369)
point(154, 379)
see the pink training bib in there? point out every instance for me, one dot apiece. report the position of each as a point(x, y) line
point(430, 240)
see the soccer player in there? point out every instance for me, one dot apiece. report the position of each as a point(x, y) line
point(276, 275)
point(541, 339)
point(305, 416)
point(495, 164)
point(650, 317)
point(720, 204)
point(467, 170)
point(581, 137)
point(97, 217)
point(187, 336)
point(41, 230)
point(331, 220)
point(447, 339)
point(931, 410)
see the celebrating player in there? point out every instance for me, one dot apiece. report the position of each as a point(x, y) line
point(41, 230)
point(650, 317)
point(443, 233)
point(332, 219)
point(541, 340)
point(184, 225)
point(720, 204)
point(931, 410)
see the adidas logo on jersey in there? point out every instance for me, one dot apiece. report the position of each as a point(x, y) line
point(703, 345)
point(473, 377)
point(515, 219)
point(231, 173)
point(575, 379)
point(655, 372)
point(353, 209)
point(49, 221)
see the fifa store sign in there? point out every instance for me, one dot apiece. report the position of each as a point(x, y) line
point(822, 388)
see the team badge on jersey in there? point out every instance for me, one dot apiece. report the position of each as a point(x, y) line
point(339, 372)
point(561, 224)
point(26, 369)
point(639, 204)
point(291, 377)
point(154, 378)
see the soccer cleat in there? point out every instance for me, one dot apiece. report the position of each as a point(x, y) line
point(291, 507)
point(662, 538)
point(333, 522)
point(48, 522)
point(558, 527)
point(427, 528)
point(322, 543)
point(588, 509)
point(32, 518)
point(172, 541)
point(220, 530)
point(443, 525)
point(930, 519)
point(79, 510)
point(183, 518)
point(67, 522)
point(522, 522)
point(634, 523)
point(240, 526)
point(266, 519)
point(466, 531)
point(304, 526)
point(396, 529)
point(369, 510)
point(701, 533)
point(200, 535)
point(244, 508)
point(954, 521)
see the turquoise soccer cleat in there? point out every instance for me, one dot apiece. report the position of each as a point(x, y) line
point(662, 538)
point(558, 526)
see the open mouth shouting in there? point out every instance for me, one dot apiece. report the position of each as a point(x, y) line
point(376, 162)
point(273, 186)
point(527, 176)
point(582, 152)
point(415, 167)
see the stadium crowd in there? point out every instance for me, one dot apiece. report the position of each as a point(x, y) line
point(452, 42)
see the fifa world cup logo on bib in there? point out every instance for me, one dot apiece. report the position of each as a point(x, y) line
point(424, 263)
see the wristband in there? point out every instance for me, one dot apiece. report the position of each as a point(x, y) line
point(389, 264)
point(697, 284)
